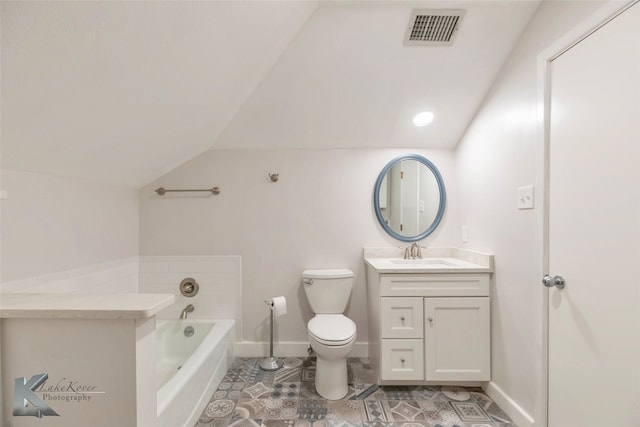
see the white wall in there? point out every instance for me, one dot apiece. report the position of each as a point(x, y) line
point(219, 280)
point(65, 235)
point(500, 152)
point(52, 224)
point(115, 356)
point(318, 215)
point(117, 276)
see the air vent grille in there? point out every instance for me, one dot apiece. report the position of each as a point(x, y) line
point(433, 27)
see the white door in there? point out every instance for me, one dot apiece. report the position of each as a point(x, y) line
point(395, 198)
point(410, 197)
point(594, 229)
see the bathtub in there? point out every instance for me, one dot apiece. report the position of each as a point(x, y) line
point(188, 369)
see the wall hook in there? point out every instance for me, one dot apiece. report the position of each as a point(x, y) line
point(273, 177)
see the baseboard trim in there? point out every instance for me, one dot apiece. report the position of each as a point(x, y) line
point(288, 349)
point(518, 415)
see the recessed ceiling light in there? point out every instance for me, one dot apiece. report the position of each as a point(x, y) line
point(423, 119)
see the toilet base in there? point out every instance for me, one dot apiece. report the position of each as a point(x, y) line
point(331, 378)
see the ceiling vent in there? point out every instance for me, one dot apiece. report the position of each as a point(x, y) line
point(433, 27)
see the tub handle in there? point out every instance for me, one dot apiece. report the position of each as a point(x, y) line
point(189, 287)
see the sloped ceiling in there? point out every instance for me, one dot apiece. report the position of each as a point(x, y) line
point(347, 80)
point(122, 92)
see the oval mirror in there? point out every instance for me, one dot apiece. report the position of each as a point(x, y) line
point(409, 198)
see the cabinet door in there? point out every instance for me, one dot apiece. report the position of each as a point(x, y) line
point(457, 341)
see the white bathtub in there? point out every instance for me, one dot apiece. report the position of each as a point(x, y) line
point(188, 369)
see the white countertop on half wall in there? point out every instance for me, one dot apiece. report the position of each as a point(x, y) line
point(82, 306)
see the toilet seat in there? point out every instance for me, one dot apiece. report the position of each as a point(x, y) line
point(332, 343)
point(332, 329)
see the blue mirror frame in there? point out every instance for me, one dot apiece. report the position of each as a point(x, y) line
point(441, 205)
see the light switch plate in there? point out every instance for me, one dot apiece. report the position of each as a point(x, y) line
point(525, 197)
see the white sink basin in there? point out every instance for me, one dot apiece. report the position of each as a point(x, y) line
point(422, 261)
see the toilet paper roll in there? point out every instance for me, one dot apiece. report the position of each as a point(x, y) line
point(279, 306)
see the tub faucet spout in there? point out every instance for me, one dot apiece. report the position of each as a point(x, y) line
point(187, 309)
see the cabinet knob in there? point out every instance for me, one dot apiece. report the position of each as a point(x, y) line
point(430, 319)
point(402, 360)
point(402, 318)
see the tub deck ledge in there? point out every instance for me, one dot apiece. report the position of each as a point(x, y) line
point(82, 306)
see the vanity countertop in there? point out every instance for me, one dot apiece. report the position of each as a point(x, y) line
point(82, 306)
point(434, 260)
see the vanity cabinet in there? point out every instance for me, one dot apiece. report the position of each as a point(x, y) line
point(429, 328)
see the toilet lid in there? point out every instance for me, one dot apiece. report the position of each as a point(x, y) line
point(332, 327)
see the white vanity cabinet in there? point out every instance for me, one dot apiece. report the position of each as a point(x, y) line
point(429, 325)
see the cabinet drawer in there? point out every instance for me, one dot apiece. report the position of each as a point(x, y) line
point(401, 360)
point(434, 285)
point(401, 317)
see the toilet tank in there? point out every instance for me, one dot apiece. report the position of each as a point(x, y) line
point(328, 291)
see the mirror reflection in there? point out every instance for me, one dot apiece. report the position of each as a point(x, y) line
point(409, 198)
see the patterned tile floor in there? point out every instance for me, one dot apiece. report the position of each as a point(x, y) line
point(250, 397)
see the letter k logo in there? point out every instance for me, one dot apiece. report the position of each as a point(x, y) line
point(24, 395)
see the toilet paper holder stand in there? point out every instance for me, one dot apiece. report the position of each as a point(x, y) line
point(270, 363)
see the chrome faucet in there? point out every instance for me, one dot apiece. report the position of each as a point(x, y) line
point(413, 252)
point(187, 309)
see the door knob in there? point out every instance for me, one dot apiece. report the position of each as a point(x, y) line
point(550, 282)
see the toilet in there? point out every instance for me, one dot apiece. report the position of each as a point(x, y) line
point(332, 334)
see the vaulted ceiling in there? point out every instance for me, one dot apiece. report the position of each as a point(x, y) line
point(122, 92)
